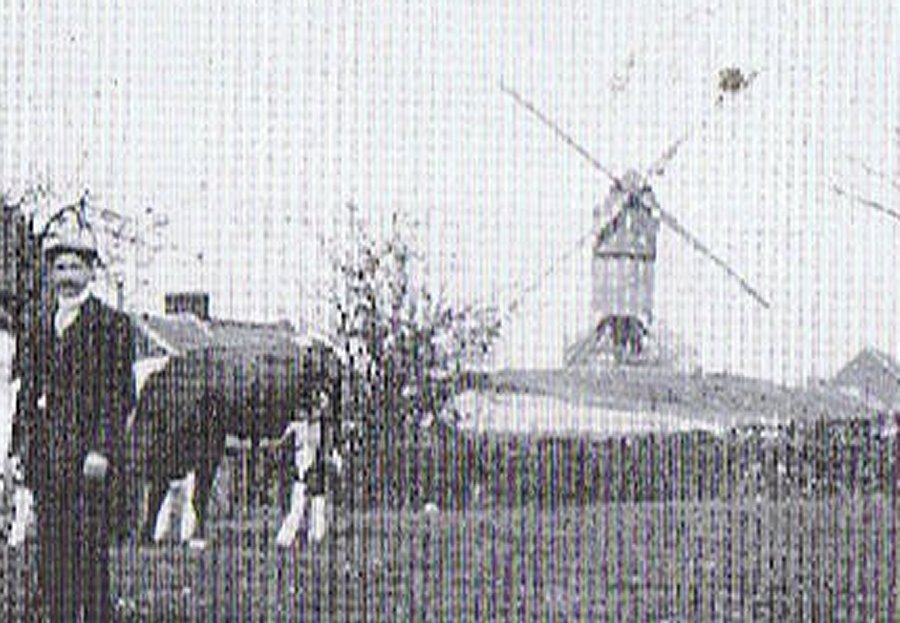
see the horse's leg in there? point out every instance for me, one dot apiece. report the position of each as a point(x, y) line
point(291, 524)
point(256, 483)
point(317, 519)
point(287, 474)
point(275, 459)
point(159, 459)
point(159, 524)
point(188, 523)
point(210, 458)
point(206, 475)
point(299, 458)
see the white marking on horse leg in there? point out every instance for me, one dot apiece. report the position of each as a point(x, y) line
point(316, 530)
point(188, 512)
point(291, 524)
point(164, 517)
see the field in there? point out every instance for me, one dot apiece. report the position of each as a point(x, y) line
point(831, 559)
point(800, 525)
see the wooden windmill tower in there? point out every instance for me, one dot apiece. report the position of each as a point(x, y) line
point(624, 235)
point(622, 268)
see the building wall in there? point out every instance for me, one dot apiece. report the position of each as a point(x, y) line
point(622, 270)
point(622, 286)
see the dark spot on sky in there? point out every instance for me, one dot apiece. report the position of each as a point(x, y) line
point(734, 80)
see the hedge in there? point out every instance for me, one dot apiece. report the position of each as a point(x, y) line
point(456, 469)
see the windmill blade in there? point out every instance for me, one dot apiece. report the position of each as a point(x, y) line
point(659, 167)
point(571, 142)
point(866, 202)
point(666, 218)
point(731, 81)
point(623, 77)
point(679, 229)
point(884, 177)
point(516, 302)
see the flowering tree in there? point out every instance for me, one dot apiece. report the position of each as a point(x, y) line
point(409, 350)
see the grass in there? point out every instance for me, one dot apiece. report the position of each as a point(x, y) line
point(830, 559)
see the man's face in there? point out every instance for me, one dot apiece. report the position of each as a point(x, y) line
point(70, 274)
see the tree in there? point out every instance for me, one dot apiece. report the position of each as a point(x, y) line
point(409, 350)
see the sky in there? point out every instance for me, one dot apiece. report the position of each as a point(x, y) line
point(252, 126)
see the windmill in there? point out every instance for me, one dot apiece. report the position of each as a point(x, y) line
point(624, 239)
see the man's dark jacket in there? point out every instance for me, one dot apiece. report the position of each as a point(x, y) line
point(86, 375)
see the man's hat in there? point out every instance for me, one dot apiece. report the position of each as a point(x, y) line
point(69, 231)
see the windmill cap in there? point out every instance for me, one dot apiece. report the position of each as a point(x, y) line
point(633, 179)
point(68, 231)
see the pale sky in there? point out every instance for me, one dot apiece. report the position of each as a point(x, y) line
point(252, 126)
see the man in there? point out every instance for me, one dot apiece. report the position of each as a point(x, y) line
point(86, 389)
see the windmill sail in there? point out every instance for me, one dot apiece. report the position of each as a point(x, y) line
point(666, 217)
point(869, 203)
point(565, 136)
point(679, 229)
point(659, 167)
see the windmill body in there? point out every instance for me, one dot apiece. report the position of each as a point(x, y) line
point(622, 277)
point(624, 255)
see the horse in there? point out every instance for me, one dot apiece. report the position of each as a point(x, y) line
point(189, 407)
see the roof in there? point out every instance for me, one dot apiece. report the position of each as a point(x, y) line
point(703, 400)
point(630, 233)
point(873, 377)
point(878, 357)
point(175, 333)
point(184, 332)
point(251, 336)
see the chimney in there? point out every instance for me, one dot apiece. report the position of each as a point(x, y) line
point(196, 303)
